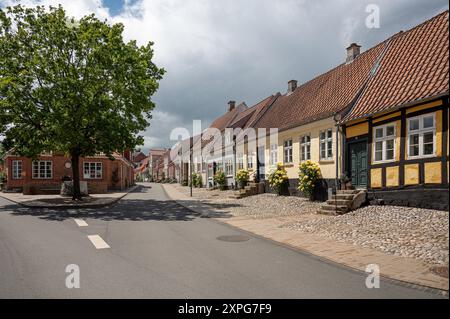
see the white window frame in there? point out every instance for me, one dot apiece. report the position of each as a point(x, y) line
point(325, 142)
point(304, 146)
point(384, 140)
point(16, 172)
point(288, 157)
point(421, 132)
point(88, 176)
point(229, 167)
point(273, 155)
point(39, 171)
point(250, 161)
point(240, 161)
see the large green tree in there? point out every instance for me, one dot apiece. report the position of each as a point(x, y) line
point(72, 86)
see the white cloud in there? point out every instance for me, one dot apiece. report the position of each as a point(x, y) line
point(215, 51)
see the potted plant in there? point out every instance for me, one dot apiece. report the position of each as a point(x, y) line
point(279, 180)
point(242, 177)
point(308, 175)
point(220, 180)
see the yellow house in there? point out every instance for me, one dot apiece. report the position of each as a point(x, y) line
point(396, 134)
point(306, 118)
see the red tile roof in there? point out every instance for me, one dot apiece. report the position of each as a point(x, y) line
point(137, 157)
point(415, 67)
point(223, 121)
point(247, 117)
point(324, 95)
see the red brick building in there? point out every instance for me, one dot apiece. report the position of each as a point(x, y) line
point(45, 174)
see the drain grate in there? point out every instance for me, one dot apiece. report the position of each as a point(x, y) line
point(234, 238)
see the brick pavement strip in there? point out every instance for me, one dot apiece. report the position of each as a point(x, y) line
point(404, 269)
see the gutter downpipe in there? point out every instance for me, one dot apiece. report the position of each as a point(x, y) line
point(337, 118)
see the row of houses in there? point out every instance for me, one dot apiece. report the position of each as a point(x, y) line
point(380, 118)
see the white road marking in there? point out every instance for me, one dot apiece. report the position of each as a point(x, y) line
point(80, 222)
point(98, 242)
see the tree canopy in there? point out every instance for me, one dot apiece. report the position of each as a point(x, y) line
point(72, 86)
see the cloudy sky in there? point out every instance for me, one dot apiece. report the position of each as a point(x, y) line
point(216, 51)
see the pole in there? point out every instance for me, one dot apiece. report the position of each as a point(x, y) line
point(190, 168)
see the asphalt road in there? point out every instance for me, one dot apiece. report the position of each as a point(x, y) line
point(159, 249)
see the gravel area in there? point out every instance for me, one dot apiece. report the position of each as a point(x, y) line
point(402, 231)
point(258, 207)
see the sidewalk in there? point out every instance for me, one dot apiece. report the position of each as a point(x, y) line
point(407, 270)
point(60, 202)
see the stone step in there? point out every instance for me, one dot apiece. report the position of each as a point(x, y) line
point(343, 196)
point(327, 212)
point(337, 208)
point(341, 202)
point(348, 191)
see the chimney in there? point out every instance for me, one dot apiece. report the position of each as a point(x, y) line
point(231, 105)
point(352, 52)
point(292, 85)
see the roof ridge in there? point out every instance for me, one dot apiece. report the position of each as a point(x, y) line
point(399, 33)
point(424, 22)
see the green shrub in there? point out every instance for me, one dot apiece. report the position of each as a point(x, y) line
point(3, 177)
point(242, 177)
point(309, 173)
point(220, 179)
point(197, 180)
point(278, 179)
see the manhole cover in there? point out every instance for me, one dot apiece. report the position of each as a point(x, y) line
point(440, 271)
point(233, 238)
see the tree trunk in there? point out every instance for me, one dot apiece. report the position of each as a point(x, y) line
point(76, 176)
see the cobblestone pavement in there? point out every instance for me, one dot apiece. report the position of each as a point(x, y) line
point(401, 231)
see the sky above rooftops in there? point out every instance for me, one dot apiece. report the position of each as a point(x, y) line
point(216, 51)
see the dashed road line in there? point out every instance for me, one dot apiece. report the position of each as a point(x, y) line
point(80, 222)
point(98, 242)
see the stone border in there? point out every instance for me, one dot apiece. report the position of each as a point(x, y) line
point(105, 202)
point(406, 280)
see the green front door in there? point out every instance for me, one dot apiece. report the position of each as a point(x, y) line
point(358, 163)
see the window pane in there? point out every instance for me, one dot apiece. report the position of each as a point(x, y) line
point(428, 121)
point(389, 144)
point(378, 146)
point(308, 152)
point(379, 132)
point(414, 150)
point(428, 149)
point(389, 154)
point(308, 138)
point(322, 135)
point(428, 137)
point(329, 133)
point(414, 139)
point(414, 124)
point(389, 130)
point(378, 155)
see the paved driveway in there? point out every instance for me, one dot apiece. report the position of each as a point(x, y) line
point(158, 249)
